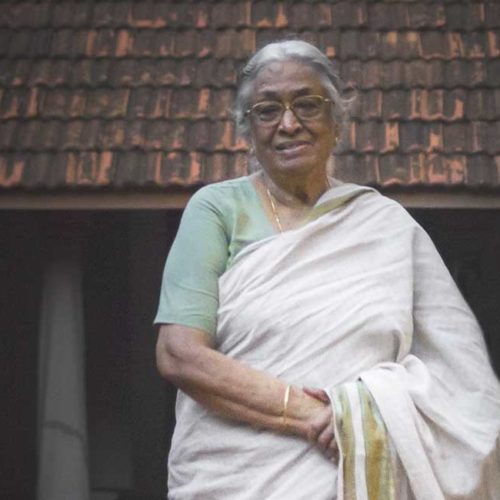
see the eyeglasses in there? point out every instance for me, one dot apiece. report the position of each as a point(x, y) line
point(305, 108)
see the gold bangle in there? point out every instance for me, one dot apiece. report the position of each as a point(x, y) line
point(285, 403)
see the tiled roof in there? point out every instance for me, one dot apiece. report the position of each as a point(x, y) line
point(137, 94)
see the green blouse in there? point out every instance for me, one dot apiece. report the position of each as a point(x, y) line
point(219, 221)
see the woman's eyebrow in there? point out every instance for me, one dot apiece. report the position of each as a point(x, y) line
point(276, 96)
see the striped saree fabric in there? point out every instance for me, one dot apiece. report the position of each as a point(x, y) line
point(367, 456)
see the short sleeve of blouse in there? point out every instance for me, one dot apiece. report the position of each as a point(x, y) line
point(198, 256)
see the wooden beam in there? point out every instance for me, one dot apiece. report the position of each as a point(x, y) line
point(94, 201)
point(177, 200)
point(436, 200)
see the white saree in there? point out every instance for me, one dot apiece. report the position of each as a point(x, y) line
point(357, 302)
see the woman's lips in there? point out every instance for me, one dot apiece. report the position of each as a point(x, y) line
point(292, 147)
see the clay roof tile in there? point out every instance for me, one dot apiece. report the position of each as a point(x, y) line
point(117, 94)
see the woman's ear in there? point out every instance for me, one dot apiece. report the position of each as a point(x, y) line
point(336, 130)
point(251, 145)
point(336, 133)
point(253, 164)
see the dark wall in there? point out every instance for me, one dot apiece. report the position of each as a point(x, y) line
point(20, 277)
point(469, 242)
point(130, 410)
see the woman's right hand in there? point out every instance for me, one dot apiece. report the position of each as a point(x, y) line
point(320, 429)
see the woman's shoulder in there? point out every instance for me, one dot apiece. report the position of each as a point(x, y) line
point(224, 192)
point(386, 207)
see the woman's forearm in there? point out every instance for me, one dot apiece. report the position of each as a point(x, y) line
point(230, 388)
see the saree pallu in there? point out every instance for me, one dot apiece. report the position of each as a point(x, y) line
point(359, 303)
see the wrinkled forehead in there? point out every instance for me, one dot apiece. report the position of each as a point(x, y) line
point(286, 80)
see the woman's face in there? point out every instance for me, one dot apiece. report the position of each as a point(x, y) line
point(292, 146)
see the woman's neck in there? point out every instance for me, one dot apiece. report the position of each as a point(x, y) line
point(295, 193)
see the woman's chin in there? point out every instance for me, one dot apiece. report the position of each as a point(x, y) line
point(299, 165)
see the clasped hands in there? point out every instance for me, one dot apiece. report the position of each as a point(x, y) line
point(320, 427)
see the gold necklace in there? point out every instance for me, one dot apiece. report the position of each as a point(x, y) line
point(275, 212)
point(273, 205)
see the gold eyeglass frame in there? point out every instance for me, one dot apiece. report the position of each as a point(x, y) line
point(287, 106)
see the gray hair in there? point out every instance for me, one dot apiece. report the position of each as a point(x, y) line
point(287, 50)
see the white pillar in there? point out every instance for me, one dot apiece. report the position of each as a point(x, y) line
point(63, 472)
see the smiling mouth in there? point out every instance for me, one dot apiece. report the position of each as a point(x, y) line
point(292, 145)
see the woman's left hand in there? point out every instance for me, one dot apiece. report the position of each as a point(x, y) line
point(321, 431)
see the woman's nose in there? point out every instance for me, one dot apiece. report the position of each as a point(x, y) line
point(289, 123)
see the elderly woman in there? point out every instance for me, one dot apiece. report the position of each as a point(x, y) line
point(319, 344)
